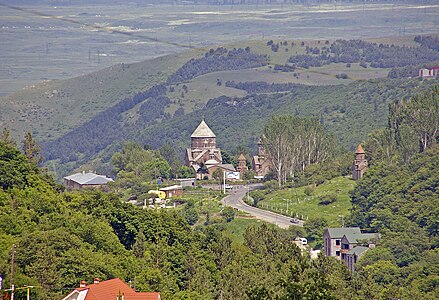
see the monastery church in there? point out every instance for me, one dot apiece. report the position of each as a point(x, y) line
point(203, 155)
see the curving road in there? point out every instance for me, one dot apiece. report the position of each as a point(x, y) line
point(234, 199)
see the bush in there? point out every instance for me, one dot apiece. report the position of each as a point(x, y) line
point(308, 191)
point(342, 76)
point(228, 214)
point(327, 199)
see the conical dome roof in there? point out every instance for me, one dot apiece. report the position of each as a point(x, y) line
point(359, 149)
point(203, 131)
point(241, 157)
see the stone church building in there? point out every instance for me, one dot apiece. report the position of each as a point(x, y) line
point(204, 156)
point(360, 163)
point(261, 163)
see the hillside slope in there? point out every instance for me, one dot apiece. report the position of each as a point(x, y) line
point(349, 112)
point(53, 108)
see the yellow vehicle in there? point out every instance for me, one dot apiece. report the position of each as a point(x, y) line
point(157, 194)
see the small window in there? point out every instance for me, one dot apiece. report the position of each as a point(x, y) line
point(337, 242)
point(337, 253)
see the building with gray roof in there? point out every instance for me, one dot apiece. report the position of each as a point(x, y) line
point(332, 239)
point(81, 180)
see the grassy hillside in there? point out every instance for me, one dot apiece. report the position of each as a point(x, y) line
point(304, 202)
point(52, 108)
point(350, 112)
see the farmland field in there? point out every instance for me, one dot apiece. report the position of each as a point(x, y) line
point(47, 42)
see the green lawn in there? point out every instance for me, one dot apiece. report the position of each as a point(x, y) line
point(294, 202)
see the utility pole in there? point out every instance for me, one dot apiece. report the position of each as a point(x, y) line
point(224, 183)
point(12, 272)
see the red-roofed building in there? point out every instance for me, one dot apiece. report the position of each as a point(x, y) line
point(430, 72)
point(109, 290)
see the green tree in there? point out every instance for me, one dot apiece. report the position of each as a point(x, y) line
point(314, 228)
point(6, 137)
point(191, 213)
point(31, 149)
point(228, 214)
point(292, 143)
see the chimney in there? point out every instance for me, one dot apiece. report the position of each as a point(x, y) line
point(96, 280)
point(82, 284)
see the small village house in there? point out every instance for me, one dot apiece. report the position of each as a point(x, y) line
point(83, 180)
point(351, 240)
point(348, 244)
point(353, 255)
point(187, 182)
point(332, 239)
point(432, 72)
point(172, 191)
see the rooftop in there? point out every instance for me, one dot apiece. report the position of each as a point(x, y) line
point(88, 178)
point(203, 131)
point(335, 233)
point(359, 149)
point(172, 188)
point(354, 238)
point(358, 250)
point(110, 289)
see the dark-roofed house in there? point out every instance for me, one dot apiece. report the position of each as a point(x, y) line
point(81, 180)
point(109, 290)
point(353, 255)
point(351, 240)
point(332, 239)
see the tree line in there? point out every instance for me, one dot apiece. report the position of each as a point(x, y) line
point(292, 143)
point(358, 51)
point(215, 60)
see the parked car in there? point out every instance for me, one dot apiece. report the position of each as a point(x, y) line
point(229, 187)
point(295, 220)
point(304, 241)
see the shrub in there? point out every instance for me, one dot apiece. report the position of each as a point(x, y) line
point(308, 191)
point(327, 199)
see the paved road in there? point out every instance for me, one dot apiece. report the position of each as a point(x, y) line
point(234, 199)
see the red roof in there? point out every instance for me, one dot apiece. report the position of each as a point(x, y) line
point(360, 149)
point(110, 289)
